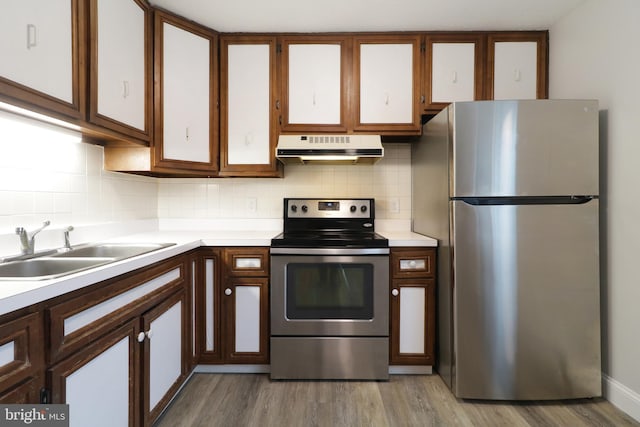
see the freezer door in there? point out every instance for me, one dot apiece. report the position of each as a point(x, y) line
point(526, 301)
point(524, 148)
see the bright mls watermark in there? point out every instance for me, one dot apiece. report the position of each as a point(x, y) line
point(34, 415)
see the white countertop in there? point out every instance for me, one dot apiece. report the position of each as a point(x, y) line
point(19, 294)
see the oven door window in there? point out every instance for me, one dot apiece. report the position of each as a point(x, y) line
point(329, 291)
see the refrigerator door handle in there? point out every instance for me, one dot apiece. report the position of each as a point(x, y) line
point(526, 200)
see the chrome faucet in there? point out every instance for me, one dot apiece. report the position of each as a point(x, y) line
point(67, 242)
point(27, 244)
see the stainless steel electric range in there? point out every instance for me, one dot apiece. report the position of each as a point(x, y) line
point(329, 292)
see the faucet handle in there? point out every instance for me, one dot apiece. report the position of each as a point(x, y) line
point(67, 242)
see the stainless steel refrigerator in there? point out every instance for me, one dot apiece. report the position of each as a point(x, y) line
point(510, 190)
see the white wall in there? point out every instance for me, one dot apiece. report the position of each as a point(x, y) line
point(388, 181)
point(594, 53)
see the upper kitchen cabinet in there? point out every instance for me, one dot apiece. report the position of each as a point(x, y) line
point(517, 65)
point(186, 117)
point(315, 72)
point(120, 64)
point(453, 69)
point(387, 83)
point(248, 99)
point(43, 61)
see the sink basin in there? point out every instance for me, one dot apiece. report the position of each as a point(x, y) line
point(48, 267)
point(52, 264)
point(112, 250)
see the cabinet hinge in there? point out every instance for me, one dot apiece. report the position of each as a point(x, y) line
point(423, 47)
point(279, 48)
point(45, 396)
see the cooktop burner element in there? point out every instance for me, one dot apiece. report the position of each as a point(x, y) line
point(340, 223)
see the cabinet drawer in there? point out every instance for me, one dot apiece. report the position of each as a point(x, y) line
point(412, 262)
point(242, 262)
point(77, 322)
point(21, 350)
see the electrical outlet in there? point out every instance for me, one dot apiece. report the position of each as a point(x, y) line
point(252, 204)
point(394, 205)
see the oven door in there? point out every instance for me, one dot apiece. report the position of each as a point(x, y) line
point(329, 292)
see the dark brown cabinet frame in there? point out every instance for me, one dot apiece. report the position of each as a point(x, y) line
point(159, 162)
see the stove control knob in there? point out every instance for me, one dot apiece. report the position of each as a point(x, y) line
point(363, 208)
point(353, 208)
point(305, 208)
point(294, 208)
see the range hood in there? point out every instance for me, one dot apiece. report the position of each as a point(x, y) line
point(329, 149)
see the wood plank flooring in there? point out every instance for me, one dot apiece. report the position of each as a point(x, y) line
point(406, 400)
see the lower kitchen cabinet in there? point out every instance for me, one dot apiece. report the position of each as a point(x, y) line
point(233, 306)
point(412, 308)
point(164, 362)
point(21, 359)
point(100, 383)
point(245, 311)
point(26, 392)
point(121, 352)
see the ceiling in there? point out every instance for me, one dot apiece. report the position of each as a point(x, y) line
point(370, 15)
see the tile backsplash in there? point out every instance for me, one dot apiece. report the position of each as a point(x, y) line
point(46, 174)
point(388, 181)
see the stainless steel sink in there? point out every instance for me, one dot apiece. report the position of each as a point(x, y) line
point(48, 267)
point(52, 264)
point(112, 250)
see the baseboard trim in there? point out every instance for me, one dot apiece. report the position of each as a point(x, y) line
point(233, 369)
point(410, 370)
point(622, 397)
point(265, 369)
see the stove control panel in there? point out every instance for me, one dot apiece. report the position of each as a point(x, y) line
point(329, 208)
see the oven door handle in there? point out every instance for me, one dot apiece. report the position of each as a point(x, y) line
point(329, 251)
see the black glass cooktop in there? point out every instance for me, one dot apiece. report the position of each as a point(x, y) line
point(323, 223)
point(319, 239)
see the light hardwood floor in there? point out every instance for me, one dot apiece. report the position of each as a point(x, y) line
point(406, 400)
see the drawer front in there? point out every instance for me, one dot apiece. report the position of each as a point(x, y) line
point(77, 322)
point(412, 262)
point(243, 262)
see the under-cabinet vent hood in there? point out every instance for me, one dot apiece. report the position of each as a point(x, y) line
point(329, 149)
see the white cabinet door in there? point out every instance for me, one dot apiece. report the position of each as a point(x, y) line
point(104, 368)
point(247, 128)
point(164, 328)
point(211, 344)
point(247, 320)
point(386, 83)
point(515, 70)
point(453, 72)
point(245, 315)
point(412, 319)
point(412, 324)
point(249, 106)
point(186, 96)
point(314, 84)
point(36, 45)
point(517, 64)
point(122, 62)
